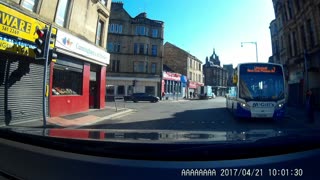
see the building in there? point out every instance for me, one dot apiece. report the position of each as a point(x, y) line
point(230, 71)
point(295, 35)
point(215, 75)
point(184, 63)
point(136, 49)
point(75, 80)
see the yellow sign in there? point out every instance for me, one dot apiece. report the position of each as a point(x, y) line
point(16, 24)
point(235, 79)
point(16, 46)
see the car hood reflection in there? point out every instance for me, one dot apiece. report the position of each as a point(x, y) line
point(163, 136)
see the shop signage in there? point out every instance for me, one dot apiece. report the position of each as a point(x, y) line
point(17, 24)
point(14, 45)
point(72, 43)
point(192, 85)
point(17, 31)
point(171, 76)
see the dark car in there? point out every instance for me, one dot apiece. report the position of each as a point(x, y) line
point(141, 97)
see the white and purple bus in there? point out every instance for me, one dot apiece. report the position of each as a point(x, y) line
point(259, 91)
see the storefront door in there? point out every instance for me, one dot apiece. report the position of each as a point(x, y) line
point(93, 87)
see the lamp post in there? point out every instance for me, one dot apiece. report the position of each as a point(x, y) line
point(255, 43)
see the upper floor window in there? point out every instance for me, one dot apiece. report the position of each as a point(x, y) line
point(113, 47)
point(311, 33)
point(141, 30)
point(99, 34)
point(153, 68)
point(30, 5)
point(62, 12)
point(190, 63)
point(115, 28)
point(154, 50)
point(140, 67)
point(155, 33)
point(115, 65)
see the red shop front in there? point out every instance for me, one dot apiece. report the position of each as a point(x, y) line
point(78, 77)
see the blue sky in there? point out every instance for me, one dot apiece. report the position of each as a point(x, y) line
point(198, 26)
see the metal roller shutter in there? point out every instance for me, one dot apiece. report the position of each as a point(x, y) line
point(23, 80)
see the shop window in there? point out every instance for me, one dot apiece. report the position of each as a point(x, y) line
point(120, 90)
point(130, 90)
point(110, 90)
point(150, 90)
point(67, 80)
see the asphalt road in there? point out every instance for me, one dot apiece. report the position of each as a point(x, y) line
point(189, 115)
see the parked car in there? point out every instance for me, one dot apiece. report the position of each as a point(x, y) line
point(136, 97)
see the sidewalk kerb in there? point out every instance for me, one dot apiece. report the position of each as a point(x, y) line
point(101, 119)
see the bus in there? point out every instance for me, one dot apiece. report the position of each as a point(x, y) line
point(258, 91)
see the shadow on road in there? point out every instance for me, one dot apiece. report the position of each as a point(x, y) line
point(200, 119)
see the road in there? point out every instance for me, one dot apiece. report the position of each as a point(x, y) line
point(195, 115)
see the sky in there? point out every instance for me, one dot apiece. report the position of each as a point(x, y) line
point(199, 26)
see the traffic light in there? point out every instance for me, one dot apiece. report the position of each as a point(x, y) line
point(52, 49)
point(40, 50)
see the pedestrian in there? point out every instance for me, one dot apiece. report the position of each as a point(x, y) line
point(163, 95)
point(310, 105)
point(190, 95)
point(194, 95)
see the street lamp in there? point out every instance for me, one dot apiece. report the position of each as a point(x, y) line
point(255, 43)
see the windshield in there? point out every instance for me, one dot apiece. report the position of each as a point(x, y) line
point(261, 86)
point(165, 69)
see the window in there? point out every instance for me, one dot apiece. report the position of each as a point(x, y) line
point(150, 90)
point(66, 80)
point(114, 47)
point(154, 50)
point(199, 67)
point(140, 30)
point(190, 63)
point(115, 28)
point(62, 12)
point(99, 34)
point(120, 90)
point(155, 33)
point(147, 49)
point(136, 47)
point(115, 65)
point(130, 90)
point(110, 47)
point(139, 67)
point(30, 5)
point(190, 75)
point(110, 90)
point(153, 68)
point(311, 33)
point(141, 49)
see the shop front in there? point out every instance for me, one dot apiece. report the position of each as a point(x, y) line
point(172, 86)
point(125, 86)
point(21, 76)
point(77, 78)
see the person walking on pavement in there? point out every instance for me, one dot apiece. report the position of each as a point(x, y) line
point(190, 95)
point(310, 105)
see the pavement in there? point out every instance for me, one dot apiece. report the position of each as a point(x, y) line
point(299, 113)
point(78, 120)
